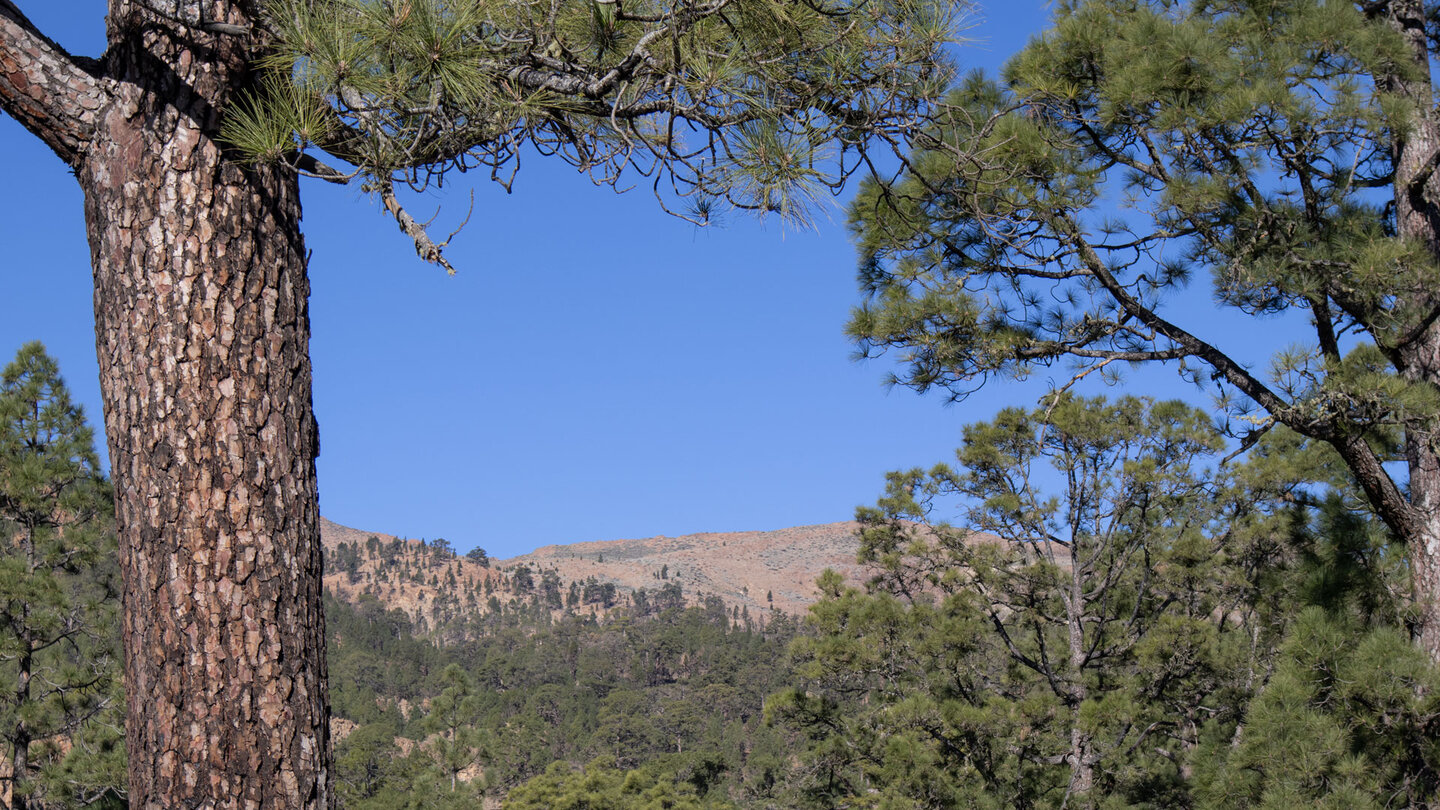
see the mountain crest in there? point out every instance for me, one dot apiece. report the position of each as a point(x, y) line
point(753, 574)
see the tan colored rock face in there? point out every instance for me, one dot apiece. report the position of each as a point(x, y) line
point(742, 568)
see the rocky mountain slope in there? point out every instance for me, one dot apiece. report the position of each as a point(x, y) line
point(754, 570)
point(751, 572)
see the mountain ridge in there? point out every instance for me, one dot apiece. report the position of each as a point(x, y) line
point(755, 573)
point(752, 569)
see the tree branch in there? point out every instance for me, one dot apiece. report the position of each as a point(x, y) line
point(1389, 501)
point(1384, 494)
point(425, 247)
point(1224, 365)
point(54, 95)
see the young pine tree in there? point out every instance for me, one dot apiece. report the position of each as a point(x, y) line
point(456, 744)
point(1350, 715)
point(1068, 653)
point(59, 656)
point(604, 786)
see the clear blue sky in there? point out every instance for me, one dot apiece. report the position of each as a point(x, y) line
point(597, 370)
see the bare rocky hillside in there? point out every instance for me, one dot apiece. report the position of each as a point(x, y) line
point(757, 572)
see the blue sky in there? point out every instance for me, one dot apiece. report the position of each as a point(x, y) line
point(597, 370)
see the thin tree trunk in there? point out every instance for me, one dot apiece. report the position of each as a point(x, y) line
point(24, 667)
point(1081, 754)
point(20, 743)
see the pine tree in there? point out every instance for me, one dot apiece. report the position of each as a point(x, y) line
point(187, 138)
point(456, 744)
point(1066, 648)
point(1141, 163)
point(603, 786)
point(365, 765)
point(1349, 720)
point(1346, 716)
point(59, 660)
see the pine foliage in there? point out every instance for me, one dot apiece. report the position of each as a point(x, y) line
point(602, 786)
point(1348, 720)
point(760, 104)
point(1141, 164)
point(1069, 649)
point(60, 705)
point(1131, 150)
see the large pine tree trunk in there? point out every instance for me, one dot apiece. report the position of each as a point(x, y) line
point(203, 337)
point(203, 340)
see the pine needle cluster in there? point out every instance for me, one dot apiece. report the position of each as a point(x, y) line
point(758, 104)
point(1069, 213)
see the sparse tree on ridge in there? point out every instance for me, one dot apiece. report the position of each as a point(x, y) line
point(200, 267)
point(1283, 152)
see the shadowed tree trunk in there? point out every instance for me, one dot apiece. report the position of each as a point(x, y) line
point(202, 333)
point(1417, 216)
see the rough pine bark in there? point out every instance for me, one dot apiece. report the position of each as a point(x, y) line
point(1424, 543)
point(202, 334)
point(1415, 151)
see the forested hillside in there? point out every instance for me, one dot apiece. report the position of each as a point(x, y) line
point(679, 692)
point(464, 677)
point(1094, 606)
point(1139, 622)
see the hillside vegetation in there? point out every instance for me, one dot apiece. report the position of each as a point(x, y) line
point(1121, 617)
